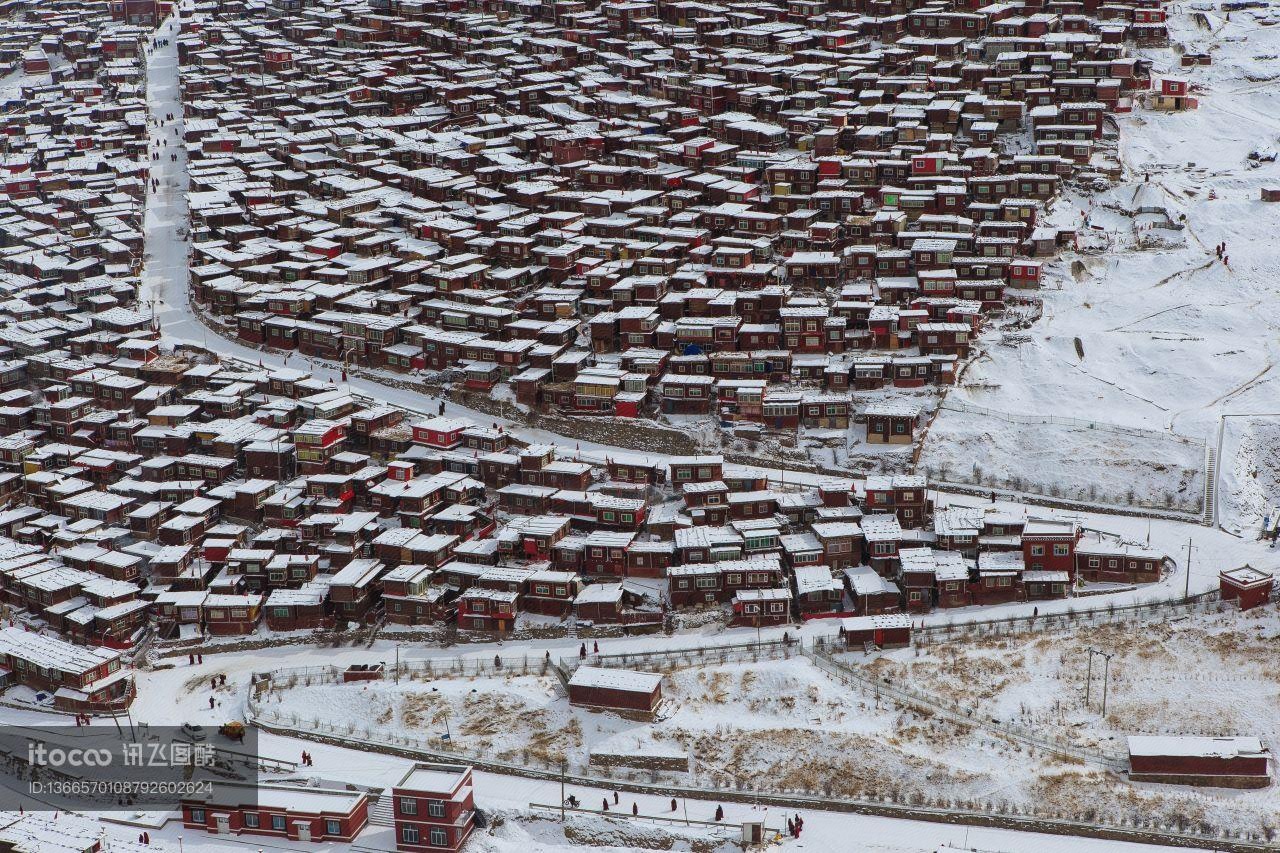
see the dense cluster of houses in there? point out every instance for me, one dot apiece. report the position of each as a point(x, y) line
point(242, 498)
point(627, 209)
point(616, 210)
point(73, 179)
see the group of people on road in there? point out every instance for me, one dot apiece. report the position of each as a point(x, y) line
point(795, 825)
point(160, 142)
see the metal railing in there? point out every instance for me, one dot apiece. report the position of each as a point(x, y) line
point(413, 670)
point(973, 409)
point(688, 656)
point(1108, 612)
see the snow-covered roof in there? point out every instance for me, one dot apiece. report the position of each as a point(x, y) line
point(1038, 576)
point(296, 800)
point(600, 593)
point(1246, 576)
point(615, 679)
point(881, 528)
point(878, 622)
point(865, 581)
point(811, 579)
point(434, 778)
point(52, 652)
point(1197, 747)
point(1001, 561)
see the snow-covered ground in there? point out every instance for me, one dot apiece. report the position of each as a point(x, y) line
point(1171, 337)
point(1204, 674)
point(740, 722)
point(1251, 472)
point(1132, 468)
point(749, 721)
point(781, 718)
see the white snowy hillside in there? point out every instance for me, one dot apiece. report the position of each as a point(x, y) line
point(1144, 327)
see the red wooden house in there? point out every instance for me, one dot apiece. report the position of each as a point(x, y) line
point(1249, 586)
point(759, 607)
point(229, 615)
point(441, 432)
point(1219, 762)
point(297, 814)
point(816, 591)
point(81, 679)
point(488, 610)
point(550, 592)
point(891, 423)
point(1049, 545)
point(885, 631)
point(871, 593)
point(622, 690)
point(433, 808)
point(1111, 562)
point(999, 577)
point(409, 598)
point(298, 609)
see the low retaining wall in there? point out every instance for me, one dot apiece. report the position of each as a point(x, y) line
point(678, 763)
point(1203, 781)
point(443, 636)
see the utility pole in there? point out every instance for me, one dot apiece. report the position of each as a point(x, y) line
point(1088, 680)
point(1106, 676)
point(1187, 591)
point(1106, 680)
point(563, 768)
